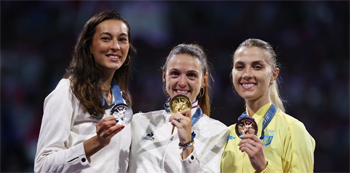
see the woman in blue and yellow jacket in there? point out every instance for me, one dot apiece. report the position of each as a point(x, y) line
point(281, 142)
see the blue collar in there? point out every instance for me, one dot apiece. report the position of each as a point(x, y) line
point(116, 94)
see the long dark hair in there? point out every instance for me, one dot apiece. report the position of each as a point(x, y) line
point(197, 52)
point(86, 75)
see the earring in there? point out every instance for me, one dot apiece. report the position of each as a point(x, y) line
point(201, 93)
point(271, 83)
point(164, 89)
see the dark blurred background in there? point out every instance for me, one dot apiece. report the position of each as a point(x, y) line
point(311, 39)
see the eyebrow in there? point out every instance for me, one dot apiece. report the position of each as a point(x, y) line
point(193, 71)
point(107, 33)
point(254, 62)
point(190, 71)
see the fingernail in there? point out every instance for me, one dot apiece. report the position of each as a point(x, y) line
point(116, 120)
point(241, 136)
point(123, 127)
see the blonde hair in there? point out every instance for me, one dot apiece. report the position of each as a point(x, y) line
point(274, 93)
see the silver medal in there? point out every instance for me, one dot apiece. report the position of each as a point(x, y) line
point(123, 113)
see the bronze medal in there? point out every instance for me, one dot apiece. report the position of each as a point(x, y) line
point(179, 103)
point(246, 126)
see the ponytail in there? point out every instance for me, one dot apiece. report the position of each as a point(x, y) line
point(275, 97)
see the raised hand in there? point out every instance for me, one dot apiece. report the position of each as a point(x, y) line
point(254, 147)
point(183, 122)
point(106, 129)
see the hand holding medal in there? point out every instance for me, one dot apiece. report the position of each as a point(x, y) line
point(247, 129)
point(178, 104)
point(121, 115)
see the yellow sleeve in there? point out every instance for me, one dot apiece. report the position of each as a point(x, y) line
point(269, 168)
point(299, 147)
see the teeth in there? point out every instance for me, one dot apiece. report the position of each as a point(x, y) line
point(114, 57)
point(247, 85)
point(182, 92)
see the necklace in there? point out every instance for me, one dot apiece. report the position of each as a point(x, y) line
point(108, 94)
point(110, 97)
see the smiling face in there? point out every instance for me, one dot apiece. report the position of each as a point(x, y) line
point(184, 75)
point(252, 74)
point(110, 44)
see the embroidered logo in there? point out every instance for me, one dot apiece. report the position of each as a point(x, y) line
point(269, 131)
point(193, 134)
point(230, 138)
point(267, 140)
point(149, 137)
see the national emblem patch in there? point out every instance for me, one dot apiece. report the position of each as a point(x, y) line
point(267, 140)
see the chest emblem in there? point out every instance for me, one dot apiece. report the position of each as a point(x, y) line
point(267, 140)
point(149, 137)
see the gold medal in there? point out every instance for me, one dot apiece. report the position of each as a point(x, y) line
point(179, 103)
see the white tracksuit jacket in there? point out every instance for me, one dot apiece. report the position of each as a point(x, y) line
point(162, 153)
point(65, 127)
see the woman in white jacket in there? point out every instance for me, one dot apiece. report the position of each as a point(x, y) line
point(77, 133)
point(154, 148)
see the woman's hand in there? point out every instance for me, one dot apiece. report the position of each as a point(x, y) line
point(106, 129)
point(254, 147)
point(183, 122)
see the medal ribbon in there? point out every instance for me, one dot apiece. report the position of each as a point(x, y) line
point(267, 119)
point(116, 94)
point(196, 116)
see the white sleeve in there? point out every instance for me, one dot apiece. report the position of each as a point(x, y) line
point(52, 154)
point(209, 160)
point(211, 155)
point(191, 163)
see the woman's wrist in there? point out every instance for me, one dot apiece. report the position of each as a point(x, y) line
point(187, 151)
point(186, 144)
point(96, 143)
point(262, 169)
point(91, 146)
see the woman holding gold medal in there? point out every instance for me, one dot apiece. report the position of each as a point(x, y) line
point(78, 133)
point(265, 139)
point(186, 141)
